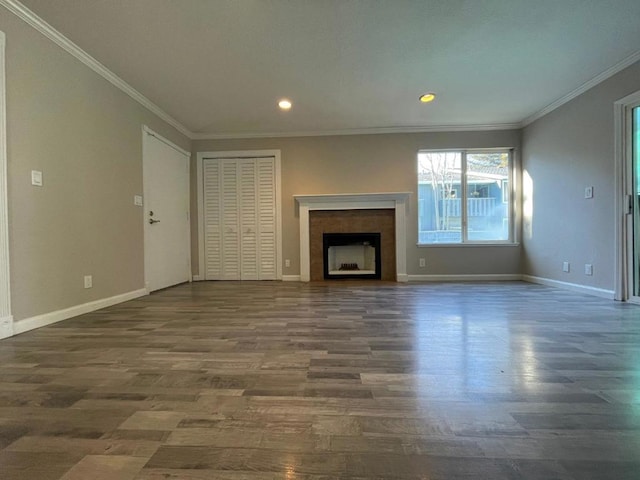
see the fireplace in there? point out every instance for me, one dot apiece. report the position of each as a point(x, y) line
point(351, 255)
point(353, 212)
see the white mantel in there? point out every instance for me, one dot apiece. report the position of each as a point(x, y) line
point(355, 201)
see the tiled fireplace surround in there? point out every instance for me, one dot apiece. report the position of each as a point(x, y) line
point(344, 213)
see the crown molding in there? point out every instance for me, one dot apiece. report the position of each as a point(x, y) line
point(29, 17)
point(610, 72)
point(360, 131)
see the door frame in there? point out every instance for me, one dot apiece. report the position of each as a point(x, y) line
point(200, 158)
point(6, 318)
point(623, 187)
point(147, 132)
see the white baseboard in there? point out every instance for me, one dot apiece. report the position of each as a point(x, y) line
point(197, 278)
point(38, 321)
point(402, 277)
point(6, 327)
point(498, 277)
point(598, 292)
point(290, 278)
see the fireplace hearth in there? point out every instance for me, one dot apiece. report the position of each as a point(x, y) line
point(351, 255)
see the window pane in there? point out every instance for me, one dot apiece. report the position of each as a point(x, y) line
point(488, 195)
point(439, 197)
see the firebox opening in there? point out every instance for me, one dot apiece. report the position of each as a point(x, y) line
point(351, 255)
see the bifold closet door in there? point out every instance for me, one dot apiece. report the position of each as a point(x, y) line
point(211, 173)
point(221, 214)
point(266, 181)
point(240, 219)
point(248, 205)
point(230, 215)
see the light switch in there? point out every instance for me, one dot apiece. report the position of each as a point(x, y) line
point(137, 200)
point(588, 192)
point(36, 178)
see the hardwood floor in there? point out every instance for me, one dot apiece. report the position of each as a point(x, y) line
point(259, 381)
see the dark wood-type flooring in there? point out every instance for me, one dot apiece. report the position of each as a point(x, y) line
point(259, 381)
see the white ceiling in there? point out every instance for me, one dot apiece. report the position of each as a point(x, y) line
point(219, 66)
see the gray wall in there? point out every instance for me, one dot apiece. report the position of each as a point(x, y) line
point(85, 136)
point(365, 164)
point(564, 152)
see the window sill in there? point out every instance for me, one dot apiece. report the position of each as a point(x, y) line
point(458, 245)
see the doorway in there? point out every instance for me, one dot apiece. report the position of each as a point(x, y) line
point(167, 259)
point(628, 159)
point(6, 319)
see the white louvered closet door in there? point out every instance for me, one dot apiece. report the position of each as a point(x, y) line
point(230, 221)
point(240, 219)
point(266, 182)
point(213, 220)
point(248, 200)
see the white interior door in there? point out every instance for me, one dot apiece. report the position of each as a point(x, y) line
point(166, 213)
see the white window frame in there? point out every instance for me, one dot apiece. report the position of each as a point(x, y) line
point(513, 199)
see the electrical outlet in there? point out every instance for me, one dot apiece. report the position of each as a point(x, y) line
point(423, 262)
point(566, 267)
point(137, 200)
point(88, 281)
point(588, 269)
point(287, 263)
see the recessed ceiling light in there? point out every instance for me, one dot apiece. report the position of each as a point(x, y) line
point(427, 97)
point(285, 104)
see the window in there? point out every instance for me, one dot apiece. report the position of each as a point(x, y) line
point(465, 197)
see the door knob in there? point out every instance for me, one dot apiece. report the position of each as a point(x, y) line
point(152, 221)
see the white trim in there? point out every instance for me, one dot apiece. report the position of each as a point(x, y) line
point(360, 200)
point(6, 327)
point(197, 278)
point(515, 197)
point(165, 141)
point(355, 201)
point(610, 72)
point(291, 278)
point(465, 245)
point(38, 321)
point(598, 292)
point(29, 17)
point(497, 277)
point(361, 131)
point(620, 182)
point(6, 320)
point(200, 157)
